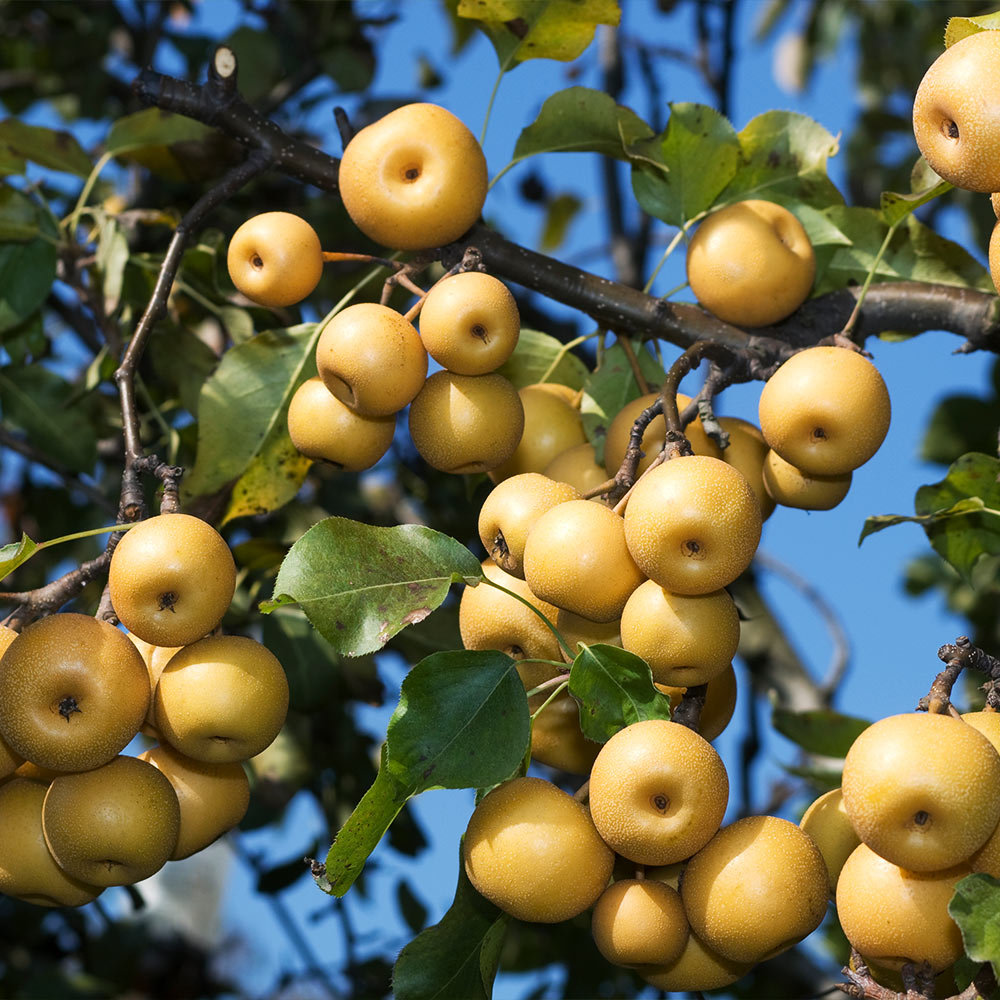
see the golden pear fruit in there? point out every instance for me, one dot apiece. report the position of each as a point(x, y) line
point(416, 178)
point(469, 323)
point(922, 790)
point(692, 524)
point(956, 113)
point(275, 259)
point(639, 922)
point(171, 579)
point(466, 423)
point(533, 851)
point(759, 886)
point(213, 798)
point(510, 510)
point(686, 640)
point(575, 557)
point(115, 825)
point(73, 692)
point(826, 410)
point(658, 792)
point(894, 916)
point(27, 868)
point(751, 263)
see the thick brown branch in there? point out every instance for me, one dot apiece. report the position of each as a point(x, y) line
point(911, 306)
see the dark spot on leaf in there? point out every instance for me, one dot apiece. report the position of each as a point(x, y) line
point(341, 625)
point(773, 159)
point(517, 26)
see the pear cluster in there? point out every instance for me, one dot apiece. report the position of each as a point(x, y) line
point(956, 121)
point(76, 813)
point(917, 811)
point(414, 179)
point(688, 903)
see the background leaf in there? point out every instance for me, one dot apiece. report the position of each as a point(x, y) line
point(534, 355)
point(15, 553)
point(819, 731)
point(47, 147)
point(245, 402)
point(609, 388)
point(360, 584)
point(615, 689)
point(458, 956)
point(539, 29)
point(962, 540)
point(783, 156)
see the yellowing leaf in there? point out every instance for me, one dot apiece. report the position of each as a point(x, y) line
point(961, 27)
point(539, 29)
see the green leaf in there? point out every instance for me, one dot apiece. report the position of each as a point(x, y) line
point(244, 403)
point(819, 731)
point(10, 162)
point(152, 128)
point(461, 722)
point(457, 957)
point(895, 206)
point(615, 689)
point(18, 216)
point(27, 272)
point(112, 256)
point(559, 215)
point(580, 120)
point(962, 540)
point(539, 29)
point(783, 156)
point(610, 387)
point(879, 522)
point(958, 28)
point(975, 907)
point(15, 553)
point(452, 707)
point(534, 356)
point(160, 141)
point(47, 147)
point(359, 585)
point(35, 400)
point(960, 424)
point(688, 166)
point(413, 911)
point(915, 253)
point(360, 835)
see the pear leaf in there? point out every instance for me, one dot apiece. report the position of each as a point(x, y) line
point(975, 907)
point(962, 540)
point(611, 387)
point(15, 553)
point(360, 584)
point(243, 405)
point(47, 147)
point(534, 357)
point(615, 689)
point(958, 28)
point(784, 155)
point(581, 120)
point(819, 731)
point(688, 166)
point(539, 29)
point(451, 706)
point(458, 956)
